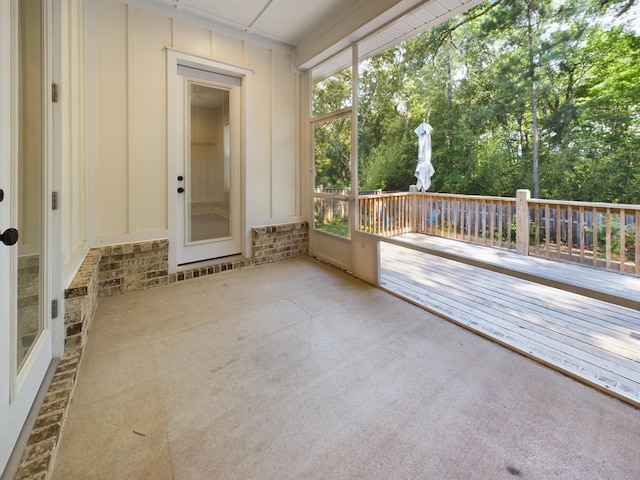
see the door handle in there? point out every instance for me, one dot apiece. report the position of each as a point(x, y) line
point(9, 236)
point(180, 190)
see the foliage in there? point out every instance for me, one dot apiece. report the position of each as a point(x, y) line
point(621, 241)
point(333, 153)
point(340, 229)
point(538, 94)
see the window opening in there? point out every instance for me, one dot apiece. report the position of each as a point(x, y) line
point(332, 153)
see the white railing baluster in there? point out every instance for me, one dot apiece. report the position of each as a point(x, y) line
point(622, 240)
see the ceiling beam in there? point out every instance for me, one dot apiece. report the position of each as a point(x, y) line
point(179, 11)
point(255, 20)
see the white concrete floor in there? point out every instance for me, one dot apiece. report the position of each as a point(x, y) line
point(295, 370)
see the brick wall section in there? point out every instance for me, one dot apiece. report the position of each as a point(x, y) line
point(269, 244)
point(133, 266)
point(81, 300)
point(196, 272)
point(37, 457)
point(277, 242)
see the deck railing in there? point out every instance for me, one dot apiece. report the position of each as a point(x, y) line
point(599, 234)
point(388, 214)
point(484, 220)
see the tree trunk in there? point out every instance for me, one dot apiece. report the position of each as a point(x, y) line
point(449, 77)
point(534, 102)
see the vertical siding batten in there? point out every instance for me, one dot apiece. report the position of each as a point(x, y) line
point(131, 119)
point(298, 147)
point(273, 130)
point(73, 164)
point(152, 33)
point(285, 139)
point(111, 162)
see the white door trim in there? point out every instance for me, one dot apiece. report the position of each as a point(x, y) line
point(175, 57)
point(18, 389)
point(194, 251)
point(6, 286)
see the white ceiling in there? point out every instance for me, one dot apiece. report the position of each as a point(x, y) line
point(315, 30)
point(286, 21)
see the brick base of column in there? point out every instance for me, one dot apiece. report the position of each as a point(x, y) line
point(278, 242)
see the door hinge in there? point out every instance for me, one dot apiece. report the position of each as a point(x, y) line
point(54, 308)
point(54, 92)
point(54, 200)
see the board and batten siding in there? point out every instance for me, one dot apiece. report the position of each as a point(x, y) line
point(70, 166)
point(129, 182)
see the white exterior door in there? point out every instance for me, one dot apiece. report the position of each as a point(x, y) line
point(208, 184)
point(25, 330)
point(208, 116)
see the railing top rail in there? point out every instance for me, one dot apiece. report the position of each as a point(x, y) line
point(470, 197)
point(531, 201)
point(441, 195)
point(596, 205)
point(332, 196)
point(386, 194)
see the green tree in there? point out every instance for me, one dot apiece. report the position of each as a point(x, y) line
point(538, 94)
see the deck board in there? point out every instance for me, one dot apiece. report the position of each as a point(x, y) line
point(568, 311)
point(590, 339)
point(510, 323)
point(613, 287)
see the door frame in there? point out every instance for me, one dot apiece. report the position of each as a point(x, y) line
point(177, 57)
point(21, 388)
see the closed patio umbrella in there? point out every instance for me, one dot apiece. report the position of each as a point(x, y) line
point(424, 169)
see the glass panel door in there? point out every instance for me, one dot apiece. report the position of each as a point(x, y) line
point(209, 165)
point(25, 333)
point(209, 198)
point(31, 151)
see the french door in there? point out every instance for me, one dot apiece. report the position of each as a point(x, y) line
point(25, 330)
point(208, 183)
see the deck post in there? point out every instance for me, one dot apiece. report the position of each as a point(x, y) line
point(413, 209)
point(522, 221)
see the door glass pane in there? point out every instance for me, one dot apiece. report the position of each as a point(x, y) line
point(30, 166)
point(332, 157)
point(208, 198)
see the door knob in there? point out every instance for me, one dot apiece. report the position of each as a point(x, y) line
point(9, 236)
point(180, 190)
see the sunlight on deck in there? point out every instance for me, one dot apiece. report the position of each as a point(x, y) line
point(589, 339)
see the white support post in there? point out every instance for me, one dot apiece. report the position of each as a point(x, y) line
point(522, 221)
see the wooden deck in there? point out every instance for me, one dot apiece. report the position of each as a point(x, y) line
point(580, 334)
